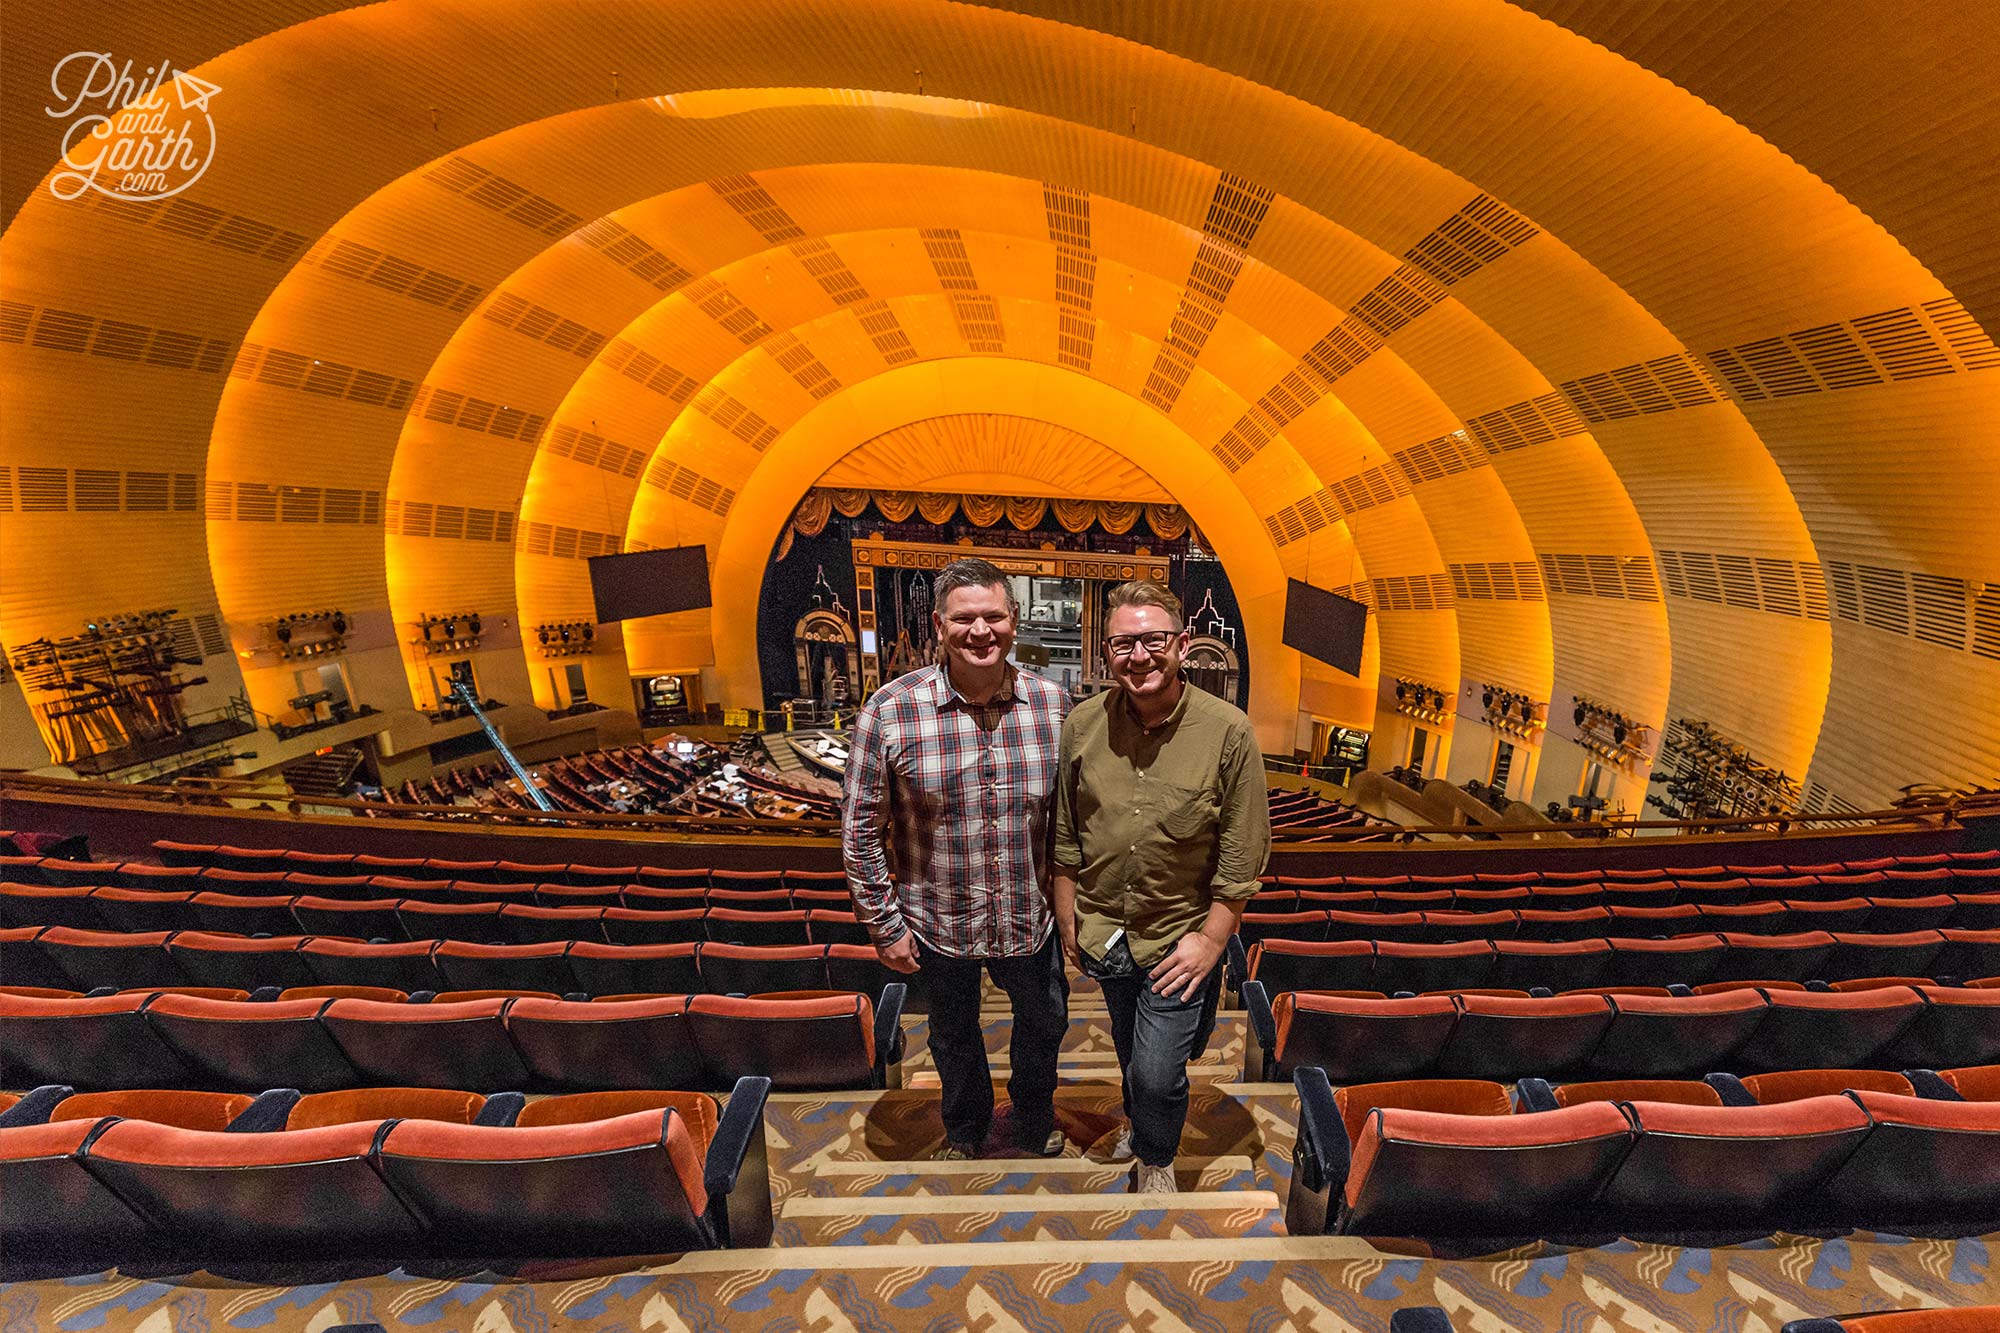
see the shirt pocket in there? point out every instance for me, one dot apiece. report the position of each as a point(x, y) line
point(1185, 813)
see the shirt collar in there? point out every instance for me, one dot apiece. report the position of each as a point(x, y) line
point(944, 693)
point(1166, 724)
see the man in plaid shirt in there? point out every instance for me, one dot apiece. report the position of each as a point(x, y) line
point(945, 834)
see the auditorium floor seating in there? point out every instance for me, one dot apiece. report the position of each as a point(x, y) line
point(231, 993)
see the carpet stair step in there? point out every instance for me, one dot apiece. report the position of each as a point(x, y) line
point(949, 1219)
point(996, 1177)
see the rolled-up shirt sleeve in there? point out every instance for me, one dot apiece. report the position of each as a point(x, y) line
point(1066, 850)
point(1244, 847)
point(864, 818)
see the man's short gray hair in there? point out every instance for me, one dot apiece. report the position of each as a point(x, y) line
point(971, 572)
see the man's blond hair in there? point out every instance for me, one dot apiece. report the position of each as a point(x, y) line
point(1145, 592)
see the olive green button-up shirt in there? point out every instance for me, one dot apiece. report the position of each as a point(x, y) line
point(1157, 823)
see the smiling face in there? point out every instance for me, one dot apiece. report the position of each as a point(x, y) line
point(1146, 673)
point(976, 627)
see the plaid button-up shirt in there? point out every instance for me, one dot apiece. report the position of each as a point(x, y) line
point(945, 822)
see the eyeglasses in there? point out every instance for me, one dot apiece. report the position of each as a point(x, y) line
point(1153, 641)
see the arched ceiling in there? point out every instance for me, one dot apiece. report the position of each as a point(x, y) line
point(980, 454)
point(1585, 384)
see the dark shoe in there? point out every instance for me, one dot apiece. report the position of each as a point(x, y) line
point(1052, 1146)
point(956, 1152)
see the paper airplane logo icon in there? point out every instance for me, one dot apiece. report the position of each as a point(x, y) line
point(194, 93)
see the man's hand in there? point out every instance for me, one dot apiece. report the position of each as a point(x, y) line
point(1180, 974)
point(1066, 932)
point(900, 956)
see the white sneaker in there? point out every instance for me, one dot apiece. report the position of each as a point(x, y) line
point(1120, 1149)
point(1157, 1180)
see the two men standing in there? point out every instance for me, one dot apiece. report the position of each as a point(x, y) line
point(1160, 831)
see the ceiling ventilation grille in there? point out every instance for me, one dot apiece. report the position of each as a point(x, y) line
point(798, 361)
point(645, 369)
point(365, 263)
point(735, 416)
point(1476, 235)
point(879, 323)
point(543, 325)
point(721, 305)
point(1076, 274)
point(69, 331)
point(1234, 214)
point(619, 245)
point(1913, 343)
point(687, 484)
point(447, 407)
point(198, 222)
point(516, 203)
point(565, 543)
point(754, 204)
point(829, 270)
point(1621, 577)
point(419, 518)
point(594, 450)
point(1497, 581)
point(49, 490)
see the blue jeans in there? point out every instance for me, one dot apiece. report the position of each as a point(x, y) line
point(1156, 1036)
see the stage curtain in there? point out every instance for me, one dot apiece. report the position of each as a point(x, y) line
point(985, 510)
point(937, 508)
point(813, 512)
point(1025, 511)
point(850, 503)
point(1075, 515)
point(1118, 515)
point(785, 545)
point(896, 506)
point(1167, 521)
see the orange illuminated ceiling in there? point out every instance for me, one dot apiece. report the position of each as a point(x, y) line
point(1600, 348)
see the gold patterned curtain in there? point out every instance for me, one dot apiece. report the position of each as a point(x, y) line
point(937, 508)
point(1168, 522)
point(1025, 511)
point(812, 514)
point(985, 510)
point(785, 545)
point(896, 506)
point(1118, 515)
point(850, 503)
point(1074, 515)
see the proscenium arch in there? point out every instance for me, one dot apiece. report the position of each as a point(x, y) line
point(907, 394)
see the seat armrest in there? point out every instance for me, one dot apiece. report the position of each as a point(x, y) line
point(577, 996)
point(1420, 1319)
point(501, 1109)
point(1319, 1158)
point(1236, 964)
point(98, 992)
point(1821, 986)
point(266, 994)
point(889, 1035)
point(1814, 1325)
point(1679, 988)
point(1537, 1095)
point(268, 1114)
point(1261, 1034)
point(1534, 993)
point(422, 996)
point(737, 1174)
point(1928, 1083)
point(37, 1105)
point(1730, 1088)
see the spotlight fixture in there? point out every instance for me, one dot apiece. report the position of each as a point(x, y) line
point(1609, 734)
point(1426, 703)
point(310, 634)
point(1513, 712)
point(566, 638)
point(456, 633)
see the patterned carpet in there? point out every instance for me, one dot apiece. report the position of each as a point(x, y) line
point(877, 1239)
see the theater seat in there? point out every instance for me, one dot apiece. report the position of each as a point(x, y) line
point(525, 967)
point(734, 969)
point(835, 927)
point(244, 914)
point(635, 969)
point(1793, 1085)
point(1500, 1037)
point(427, 1045)
point(640, 925)
point(49, 905)
point(1828, 1029)
point(1675, 1036)
point(1960, 1025)
point(356, 1104)
point(759, 927)
point(239, 962)
point(93, 958)
point(1794, 957)
point(802, 1045)
point(1425, 967)
point(525, 924)
point(1729, 1168)
point(1290, 965)
point(1686, 960)
point(165, 1106)
point(477, 923)
point(398, 965)
point(1567, 964)
point(1924, 1162)
point(1683, 1092)
point(142, 910)
point(253, 1046)
point(55, 1216)
point(1975, 1083)
point(1968, 1319)
point(298, 1194)
point(361, 918)
point(629, 1044)
point(857, 967)
point(1355, 1040)
point(1911, 953)
point(94, 1042)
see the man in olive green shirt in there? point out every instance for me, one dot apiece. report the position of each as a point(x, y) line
point(1162, 827)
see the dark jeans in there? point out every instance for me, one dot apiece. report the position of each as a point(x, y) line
point(1156, 1037)
point(1039, 990)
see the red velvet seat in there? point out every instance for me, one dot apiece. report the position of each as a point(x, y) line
point(1730, 1167)
point(1570, 964)
point(399, 965)
point(477, 923)
point(1829, 914)
point(1456, 927)
point(635, 969)
point(1574, 923)
point(774, 899)
point(1683, 1092)
point(23, 963)
point(1968, 953)
point(1959, 1025)
point(1288, 965)
point(58, 873)
point(167, 878)
point(239, 962)
point(1896, 916)
point(253, 1046)
point(1793, 1085)
point(726, 925)
point(1358, 1040)
point(93, 958)
point(427, 1045)
point(524, 924)
point(635, 925)
point(801, 1045)
point(835, 927)
point(1672, 1036)
point(50, 905)
point(660, 877)
point(857, 967)
point(360, 918)
point(1924, 1161)
point(746, 881)
point(628, 1044)
point(584, 874)
point(346, 887)
point(1795, 957)
point(94, 1042)
point(1420, 967)
point(1292, 925)
point(244, 914)
point(293, 1194)
point(735, 969)
point(55, 1216)
point(579, 895)
point(516, 967)
point(162, 1106)
point(1501, 1037)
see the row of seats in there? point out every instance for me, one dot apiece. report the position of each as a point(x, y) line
point(1965, 911)
point(1974, 1083)
point(63, 958)
point(143, 910)
point(179, 872)
point(655, 1173)
point(1978, 872)
point(1642, 1167)
point(1471, 1035)
point(803, 1041)
point(130, 882)
point(1387, 966)
point(1644, 874)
